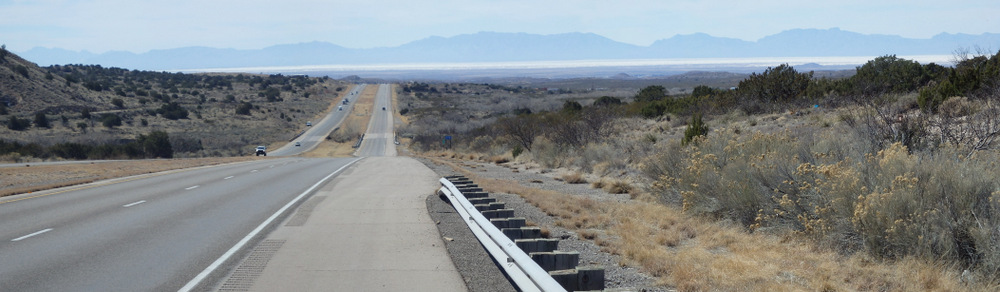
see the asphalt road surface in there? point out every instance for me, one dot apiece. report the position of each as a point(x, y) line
point(380, 136)
point(147, 233)
point(368, 230)
point(320, 129)
point(187, 230)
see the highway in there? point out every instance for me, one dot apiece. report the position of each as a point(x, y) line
point(185, 230)
point(154, 232)
point(150, 233)
point(380, 136)
point(320, 129)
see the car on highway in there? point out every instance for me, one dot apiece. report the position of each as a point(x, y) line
point(340, 108)
point(383, 108)
point(261, 150)
point(297, 144)
point(309, 124)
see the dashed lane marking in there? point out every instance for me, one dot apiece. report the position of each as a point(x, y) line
point(33, 234)
point(133, 204)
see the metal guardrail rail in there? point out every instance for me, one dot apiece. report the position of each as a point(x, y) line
point(360, 139)
point(521, 269)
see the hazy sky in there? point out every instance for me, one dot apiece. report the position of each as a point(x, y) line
point(142, 25)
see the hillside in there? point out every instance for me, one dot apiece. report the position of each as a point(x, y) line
point(203, 114)
point(788, 182)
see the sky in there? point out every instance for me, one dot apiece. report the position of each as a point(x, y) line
point(139, 26)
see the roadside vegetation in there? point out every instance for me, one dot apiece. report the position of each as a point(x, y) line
point(878, 181)
point(92, 112)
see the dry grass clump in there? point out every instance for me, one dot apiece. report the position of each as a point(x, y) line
point(614, 186)
point(893, 204)
point(497, 159)
point(691, 253)
point(574, 178)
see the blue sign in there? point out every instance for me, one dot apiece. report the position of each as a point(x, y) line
point(447, 137)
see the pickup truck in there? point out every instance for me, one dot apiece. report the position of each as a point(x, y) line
point(261, 150)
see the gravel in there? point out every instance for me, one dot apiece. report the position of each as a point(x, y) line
point(617, 275)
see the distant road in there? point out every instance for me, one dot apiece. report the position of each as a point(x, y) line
point(368, 230)
point(149, 234)
point(321, 129)
point(380, 136)
point(309, 140)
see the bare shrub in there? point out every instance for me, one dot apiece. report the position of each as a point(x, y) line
point(618, 187)
point(893, 204)
point(547, 153)
point(574, 178)
point(499, 159)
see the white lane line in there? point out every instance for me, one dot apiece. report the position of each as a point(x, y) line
point(253, 170)
point(133, 204)
point(271, 166)
point(239, 245)
point(33, 234)
point(229, 177)
point(191, 188)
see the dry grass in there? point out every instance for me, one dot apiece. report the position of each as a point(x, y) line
point(331, 149)
point(694, 254)
point(574, 178)
point(498, 159)
point(19, 180)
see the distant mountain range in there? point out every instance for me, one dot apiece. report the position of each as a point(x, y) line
point(507, 47)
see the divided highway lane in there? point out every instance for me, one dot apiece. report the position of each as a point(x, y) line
point(380, 136)
point(320, 129)
point(153, 233)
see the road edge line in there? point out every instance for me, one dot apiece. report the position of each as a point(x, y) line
point(239, 245)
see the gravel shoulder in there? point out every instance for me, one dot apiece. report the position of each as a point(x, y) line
point(467, 253)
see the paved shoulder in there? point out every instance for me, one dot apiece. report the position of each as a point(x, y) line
point(369, 230)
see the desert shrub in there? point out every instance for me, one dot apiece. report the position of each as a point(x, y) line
point(574, 178)
point(110, 120)
point(244, 108)
point(42, 121)
point(156, 144)
point(889, 74)
point(21, 69)
point(516, 151)
point(775, 86)
point(651, 93)
point(892, 204)
point(617, 187)
point(696, 128)
point(607, 101)
point(547, 153)
point(18, 124)
point(173, 111)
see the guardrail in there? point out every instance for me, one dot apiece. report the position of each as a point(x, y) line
point(521, 269)
point(297, 135)
point(356, 145)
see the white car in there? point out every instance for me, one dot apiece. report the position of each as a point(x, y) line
point(297, 144)
point(261, 150)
